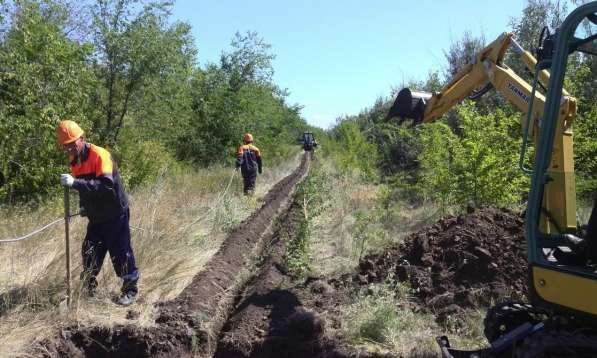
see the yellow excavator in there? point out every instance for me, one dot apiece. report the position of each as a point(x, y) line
point(560, 318)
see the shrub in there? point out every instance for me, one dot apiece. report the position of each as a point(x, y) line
point(143, 163)
point(480, 166)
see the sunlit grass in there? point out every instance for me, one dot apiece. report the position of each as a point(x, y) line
point(355, 222)
point(383, 321)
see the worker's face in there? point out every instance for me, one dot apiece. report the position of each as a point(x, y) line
point(73, 149)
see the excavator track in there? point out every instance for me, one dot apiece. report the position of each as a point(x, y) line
point(504, 317)
point(557, 344)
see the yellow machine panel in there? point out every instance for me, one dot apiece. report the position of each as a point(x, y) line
point(566, 290)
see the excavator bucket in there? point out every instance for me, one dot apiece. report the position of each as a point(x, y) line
point(409, 105)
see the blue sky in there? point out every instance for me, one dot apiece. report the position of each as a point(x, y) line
point(336, 57)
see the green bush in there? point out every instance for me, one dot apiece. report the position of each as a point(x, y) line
point(43, 79)
point(479, 166)
point(143, 163)
point(353, 151)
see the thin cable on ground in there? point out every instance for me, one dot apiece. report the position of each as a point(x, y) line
point(25, 237)
point(36, 231)
point(159, 233)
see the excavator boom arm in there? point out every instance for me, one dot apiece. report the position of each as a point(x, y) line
point(559, 198)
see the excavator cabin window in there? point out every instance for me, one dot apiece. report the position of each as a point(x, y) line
point(568, 236)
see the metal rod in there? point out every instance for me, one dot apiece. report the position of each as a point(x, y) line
point(67, 243)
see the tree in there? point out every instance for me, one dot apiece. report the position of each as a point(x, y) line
point(535, 16)
point(235, 97)
point(479, 165)
point(249, 62)
point(437, 180)
point(354, 151)
point(462, 52)
point(43, 78)
point(132, 50)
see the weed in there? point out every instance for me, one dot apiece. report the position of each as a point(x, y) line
point(297, 253)
point(308, 197)
point(382, 320)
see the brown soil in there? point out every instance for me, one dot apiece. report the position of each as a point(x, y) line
point(463, 261)
point(275, 317)
point(459, 262)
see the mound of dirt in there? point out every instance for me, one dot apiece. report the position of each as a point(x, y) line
point(464, 261)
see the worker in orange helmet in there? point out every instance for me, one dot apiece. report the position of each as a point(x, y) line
point(103, 200)
point(248, 159)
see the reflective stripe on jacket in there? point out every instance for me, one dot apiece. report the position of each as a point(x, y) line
point(98, 182)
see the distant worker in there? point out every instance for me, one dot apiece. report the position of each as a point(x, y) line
point(248, 159)
point(103, 200)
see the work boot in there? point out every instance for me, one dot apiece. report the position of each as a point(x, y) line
point(129, 292)
point(127, 298)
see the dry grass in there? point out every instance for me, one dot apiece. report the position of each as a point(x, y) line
point(178, 223)
point(357, 220)
point(383, 321)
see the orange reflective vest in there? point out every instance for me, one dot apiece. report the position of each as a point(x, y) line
point(248, 158)
point(98, 182)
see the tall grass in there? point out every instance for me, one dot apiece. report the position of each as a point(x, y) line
point(383, 320)
point(358, 218)
point(178, 222)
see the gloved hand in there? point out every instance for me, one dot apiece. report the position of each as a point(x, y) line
point(67, 180)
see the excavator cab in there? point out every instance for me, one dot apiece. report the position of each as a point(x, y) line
point(556, 285)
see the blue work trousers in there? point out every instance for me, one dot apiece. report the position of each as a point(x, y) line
point(249, 182)
point(113, 236)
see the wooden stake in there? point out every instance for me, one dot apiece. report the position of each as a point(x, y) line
point(67, 243)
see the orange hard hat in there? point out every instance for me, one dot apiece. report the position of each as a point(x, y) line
point(68, 132)
point(248, 138)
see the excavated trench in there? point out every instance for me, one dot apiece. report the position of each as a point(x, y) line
point(248, 305)
point(278, 316)
point(470, 260)
point(190, 324)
